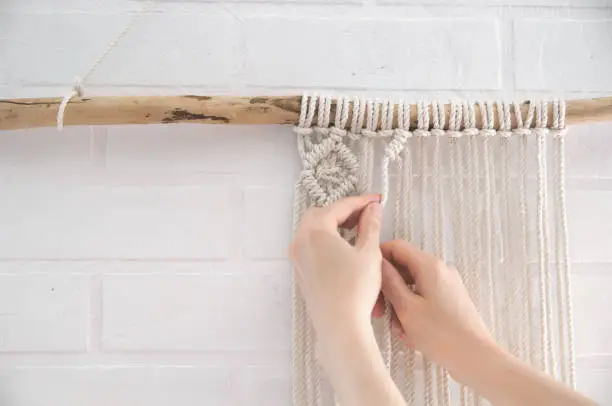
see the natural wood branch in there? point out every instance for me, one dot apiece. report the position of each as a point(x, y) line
point(28, 113)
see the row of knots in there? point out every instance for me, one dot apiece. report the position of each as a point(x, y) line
point(330, 170)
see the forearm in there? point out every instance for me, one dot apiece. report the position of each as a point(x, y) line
point(506, 381)
point(355, 368)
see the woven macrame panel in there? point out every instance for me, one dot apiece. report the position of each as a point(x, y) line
point(489, 200)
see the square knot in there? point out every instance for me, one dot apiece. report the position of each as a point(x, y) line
point(330, 172)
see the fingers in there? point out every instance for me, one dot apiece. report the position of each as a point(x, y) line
point(369, 227)
point(396, 290)
point(340, 211)
point(407, 255)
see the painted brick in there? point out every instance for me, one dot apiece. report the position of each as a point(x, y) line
point(542, 49)
point(550, 3)
point(261, 154)
point(588, 151)
point(199, 312)
point(444, 57)
point(117, 385)
point(156, 56)
point(590, 225)
point(594, 334)
point(268, 222)
point(595, 383)
point(60, 7)
point(261, 386)
point(129, 221)
point(43, 312)
point(44, 38)
point(43, 153)
point(43, 49)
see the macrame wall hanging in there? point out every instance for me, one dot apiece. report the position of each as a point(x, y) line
point(489, 199)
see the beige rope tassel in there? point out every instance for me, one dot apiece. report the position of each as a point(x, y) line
point(464, 202)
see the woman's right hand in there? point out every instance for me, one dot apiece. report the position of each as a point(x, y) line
point(438, 318)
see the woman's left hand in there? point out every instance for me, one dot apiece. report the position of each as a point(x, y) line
point(340, 282)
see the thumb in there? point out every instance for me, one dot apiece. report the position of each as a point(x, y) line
point(395, 289)
point(369, 227)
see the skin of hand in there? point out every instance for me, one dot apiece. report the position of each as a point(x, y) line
point(440, 320)
point(340, 284)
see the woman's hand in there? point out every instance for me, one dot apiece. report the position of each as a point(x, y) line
point(439, 319)
point(339, 282)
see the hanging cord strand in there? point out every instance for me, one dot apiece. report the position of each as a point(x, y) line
point(439, 122)
point(299, 319)
point(542, 231)
point(409, 227)
point(422, 132)
point(457, 199)
point(564, 292)
point(77, 88)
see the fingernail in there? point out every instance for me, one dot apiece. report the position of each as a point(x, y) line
point(379, 198)
point(376, 209)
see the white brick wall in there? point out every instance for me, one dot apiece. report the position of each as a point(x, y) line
point(146, 265)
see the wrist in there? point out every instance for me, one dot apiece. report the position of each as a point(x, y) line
point(353, 363)
point(480, 365)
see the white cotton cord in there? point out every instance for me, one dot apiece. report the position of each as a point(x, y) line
point(474, 268)
point(393, 149)
point(400, 231)
point(387, 111)
point(398, 220)
point(527, 314)
point(547, 362)
point(77, 91)
point(456, 174)
point(552, 359)
point(423, 133)
point(540, 237)
point(77, 88)
point(299, 320)
point(564, 291)
point(442, 378)
point(524, 132)
point(409, 230)
point(488, 236)
point(507, 312)
point(439, 121)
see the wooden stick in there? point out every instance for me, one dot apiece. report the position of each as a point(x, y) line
point(29, 113)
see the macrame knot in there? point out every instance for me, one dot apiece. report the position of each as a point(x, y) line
point(338, 132)
point(421, 133)
point(369, 133)
point(505, 134)
point(322, 131)
point(487, 133)
point(330, 171)
point(437, 132)
point(543, 132)
point(559, 133)
point(401, 133)
point(471, 131)
point(454, 134)
point(522, 131)
point(396, 145)
point(353, 136)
